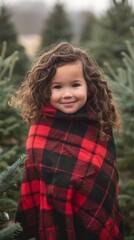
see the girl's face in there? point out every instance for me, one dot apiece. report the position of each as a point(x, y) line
point(69, 88)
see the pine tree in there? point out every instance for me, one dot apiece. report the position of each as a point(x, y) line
point(9, 35)
point(12, 129)
point(8, 181)
point(12, 175)
point(111, 32)
point(57, 28)
point(122, 82)
point(88, 27)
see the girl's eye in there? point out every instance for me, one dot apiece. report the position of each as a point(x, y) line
point(56, 87)
point(76, 84)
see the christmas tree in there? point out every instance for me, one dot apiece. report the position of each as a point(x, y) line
point(12, 175)
point(12, 128)
point(9, 35)
point(57, 28)
point(122, 83)
point(8, 180)
point(110, 32)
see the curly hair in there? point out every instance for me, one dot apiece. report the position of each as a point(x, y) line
point(35, 91)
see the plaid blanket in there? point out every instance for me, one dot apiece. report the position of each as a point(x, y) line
point(70, 185)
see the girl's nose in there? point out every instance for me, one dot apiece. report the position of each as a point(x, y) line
point(67, 93)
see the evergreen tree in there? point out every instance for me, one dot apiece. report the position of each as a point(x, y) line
point(12, 128)
point(9, 35)
point(88, 27)
point(10, 178)
point(122, 82)
point(111, 32)
point(8, 181)
point(57, 28)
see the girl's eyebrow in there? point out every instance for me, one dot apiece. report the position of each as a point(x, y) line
point(78, 80)
point(55, 83)
point(74, 81)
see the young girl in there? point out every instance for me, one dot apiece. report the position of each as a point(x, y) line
point(70, 185)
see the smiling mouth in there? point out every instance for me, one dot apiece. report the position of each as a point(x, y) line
point(68, 103)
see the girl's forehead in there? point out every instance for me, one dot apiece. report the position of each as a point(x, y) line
point(67, 72)
point(74, 67)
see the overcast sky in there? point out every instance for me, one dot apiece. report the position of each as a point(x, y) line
point(97, 6)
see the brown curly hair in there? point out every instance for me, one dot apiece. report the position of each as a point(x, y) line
point(35, 92)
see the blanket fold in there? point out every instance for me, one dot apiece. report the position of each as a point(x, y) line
point(70, 184)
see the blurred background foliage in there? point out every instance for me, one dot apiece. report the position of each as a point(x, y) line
point(9, 34)
point(110, 40)
point(122, 83)
point(11, 139)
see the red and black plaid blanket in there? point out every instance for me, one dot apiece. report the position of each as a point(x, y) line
point(70, 185)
